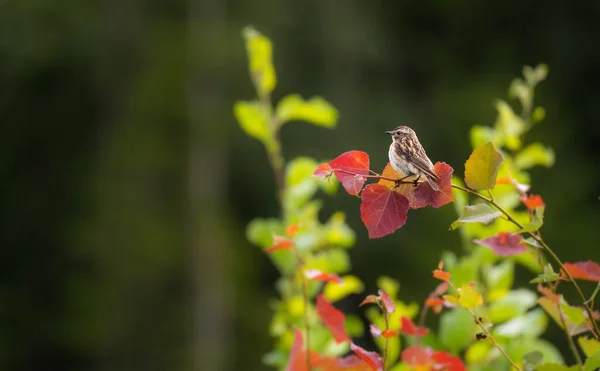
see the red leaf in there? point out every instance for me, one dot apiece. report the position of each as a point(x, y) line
point(447, 362)
point(416, 355)
point(317, 275)
point(409, 328)
point(297, 360)
point(388, 303)
point(332, 318)
point(370, 299)
point(434, 302)
point(436, 199)
point(589, 271)
point(322, 171)
point(350, 362)
point(382, 210)
point(279, 243)
point(533, 201)
point(407, 190)
point(371, 358)
point(505, 244)
point(349, 164)
point(375, 331)
point(441, 275)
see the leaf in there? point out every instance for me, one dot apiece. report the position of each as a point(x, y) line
point(371, 358)
point(588, 345)
point(382, 210)
point(534, 154)
point(409, 328)
point(350, 363)
point(297, 359)
point(482, 166)
point(515, 303)
point(536, 222)
point(441, 197)
point(592, 363)
point(457, 329)
point(531, 324)
point(479, 213)
point(315, 111)
point(332, 318)
point(551, 308)
point(252, 119)
point(573, 314)
point(416, 355)
point(279, 243)
point(505, 244)
point(389, 333)
point(349, 164)
point(350, 285)
point(317, 275)
point(549, 275)
point(370, 299)
point(323, 171)
point(468, 297)
point(407, 190)
point(555, 367)
point(441, 275)
point(447, 362)
point(260, 51)
point(388, 303)
point(533, 201)
point(588, 271)
point(375, 331)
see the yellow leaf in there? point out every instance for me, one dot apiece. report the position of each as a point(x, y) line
point(588, 345)
point(350, 285)
point(252, 120)
point(451, 299)
point(260, 54)
point(482, 167)
point(315, 111)
point(469, 298)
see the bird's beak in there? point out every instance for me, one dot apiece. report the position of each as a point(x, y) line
point(389, 132)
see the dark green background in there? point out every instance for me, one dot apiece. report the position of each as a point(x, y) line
point(126, 184)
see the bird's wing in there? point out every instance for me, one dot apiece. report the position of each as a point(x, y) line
point(424, 164)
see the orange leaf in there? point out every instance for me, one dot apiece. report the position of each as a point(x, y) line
point(433, 302)
point(533, 201)
point(441, 275)
point(297, 359)
point(291, 230)
point(279, 243)
point(317, 275)
point(332, 318)
point(389, 333)
point(409, 328)
point(407, 190)
point(589, 270)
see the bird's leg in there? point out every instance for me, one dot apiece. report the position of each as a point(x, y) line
point(416, 181)
point(399, 181)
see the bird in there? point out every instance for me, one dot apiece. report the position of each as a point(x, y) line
point(408, 157)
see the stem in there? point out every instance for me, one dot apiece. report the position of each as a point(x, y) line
point(385, 348)
point(493, 341)
point(590, 301)
point(306, 325)
point(571, 342)
point(537, 237)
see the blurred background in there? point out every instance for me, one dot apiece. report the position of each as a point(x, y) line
point(127, 184)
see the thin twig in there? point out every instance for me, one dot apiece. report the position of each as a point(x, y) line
point(387, 327)
point(376, 176)
point(493, 341)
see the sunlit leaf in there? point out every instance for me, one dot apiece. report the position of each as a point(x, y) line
point(442, 196)
point(549, 275)
point(315, 110)
point(589, 271)
point(468, 297)
point(505, 244)
point(252, 119)
point(407, 190)
point(388, 303)
point(555, 367)
point(515, 303)
point(592, 363)
point(332, 318)
point(531, 324)
point(509, 126)
point(409, 328)
point(500, 276)
point(382, 210)
point(260, 52)
point(536, 222)
point(371, 358)
point(573, 314)
point(482, 167)
point(552, 309)
point(519, 347)
point(534, 154)
point(479, 213)
point(350, 285)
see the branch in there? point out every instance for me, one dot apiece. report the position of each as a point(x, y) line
point(492, 340)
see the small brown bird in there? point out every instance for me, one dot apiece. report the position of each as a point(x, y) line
point(408, 157)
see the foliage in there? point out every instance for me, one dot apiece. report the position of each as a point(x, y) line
point(485, 323)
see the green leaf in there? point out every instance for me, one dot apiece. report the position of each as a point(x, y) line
point(337, 232)
point(534, 76)
point(457, 329)
point(536, 222)
point(555, 367)
point(500, 276)
point(354, 326)
point(350, 285)
point(509, 127)
point(315, 111)
point(480, 213)
point(480, 135)
point(573, 314)
point(260, 231)
point(260, 54)
point(531, 324)
point(588, 345)
point(592, 363)
point(252, 119)
point(513, 304)
point(549, 275)
point(532, 359)
point(533, 155)
point(482, 167)
point(517, 348)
